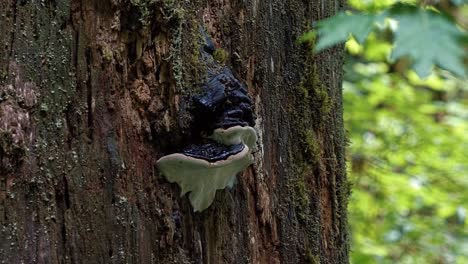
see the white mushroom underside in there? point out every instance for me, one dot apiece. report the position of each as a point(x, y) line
point(202, 178)
point(236, 135)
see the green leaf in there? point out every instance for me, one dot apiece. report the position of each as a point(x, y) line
point(425, 36)
point(338, 28)
point(428, 38)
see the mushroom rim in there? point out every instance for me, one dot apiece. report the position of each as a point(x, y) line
point(236, 135)
point(182, 158)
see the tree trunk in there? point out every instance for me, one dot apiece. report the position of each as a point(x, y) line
point(93, 93)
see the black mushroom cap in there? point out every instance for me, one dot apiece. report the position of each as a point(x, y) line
point(230, 122)
point(224, 102)
point(237, 97)
point(208, 44)
point(233, 112)
point(213, 97)
point(212, 151)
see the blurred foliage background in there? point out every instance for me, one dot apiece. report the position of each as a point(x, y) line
point(408, 150)
point(408, 163)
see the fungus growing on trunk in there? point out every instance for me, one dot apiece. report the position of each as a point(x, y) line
point(203, 169)
point(224, 110)
point(203, 175)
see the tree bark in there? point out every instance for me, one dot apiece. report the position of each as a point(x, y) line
point(92, 93)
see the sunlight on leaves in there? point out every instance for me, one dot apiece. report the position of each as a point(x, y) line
point(429, 39)
point(422, 35)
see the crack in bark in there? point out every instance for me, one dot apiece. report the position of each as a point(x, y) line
point(12, 33)
point(89, 93)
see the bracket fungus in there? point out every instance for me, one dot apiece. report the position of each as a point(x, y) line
point(201, 177)
point(235, 135)
point(203, 169)
point(224, 109)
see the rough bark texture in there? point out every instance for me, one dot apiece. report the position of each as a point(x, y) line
point(92, 93)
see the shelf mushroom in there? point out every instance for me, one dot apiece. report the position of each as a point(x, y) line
point(201, 170)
